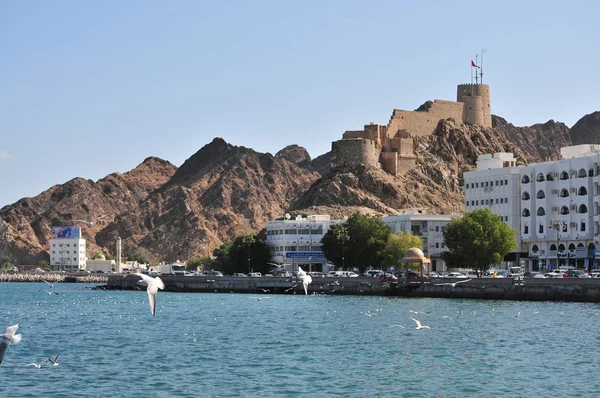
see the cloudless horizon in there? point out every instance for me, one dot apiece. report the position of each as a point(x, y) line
point(92, 88)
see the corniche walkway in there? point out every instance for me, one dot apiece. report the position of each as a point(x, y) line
point(52, 277)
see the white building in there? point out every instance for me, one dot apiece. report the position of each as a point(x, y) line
point(553, 206)
point(100, 263)
point(67, 249)
point(428, 227)
point(297, 242)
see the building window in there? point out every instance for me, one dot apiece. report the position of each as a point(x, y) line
point(526, 229)
point(582, 227)
point(525, 213)
point(525, 179)
point(437, 245)
point(501, 200)
point(437, 228)
point(505, 182)
point(496, 182)
point(541, 229)
point(467, 185)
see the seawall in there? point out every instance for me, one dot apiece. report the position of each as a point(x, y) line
point(531, 289)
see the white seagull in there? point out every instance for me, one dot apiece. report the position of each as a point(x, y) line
point(305, 278)
point(50, 284)
point(453, 284)
point(34, 364)
point(419, 326)
point(153, 285)
point(448, 317)
point(51, 293)
point(7, 338)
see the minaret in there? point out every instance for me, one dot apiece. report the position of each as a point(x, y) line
point(118, 270)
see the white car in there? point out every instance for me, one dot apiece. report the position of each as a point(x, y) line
point(595, 273)
point(555, 273)
point(455, 275)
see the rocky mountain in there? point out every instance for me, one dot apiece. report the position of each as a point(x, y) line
point(29, 221)
point(586, 130)
point(222, 190)
point(219, 192)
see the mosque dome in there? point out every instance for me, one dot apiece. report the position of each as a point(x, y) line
point(99, 256)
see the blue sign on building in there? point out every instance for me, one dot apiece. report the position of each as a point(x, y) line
point(66, 232)
point(305, 255)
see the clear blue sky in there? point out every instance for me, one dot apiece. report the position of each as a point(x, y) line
point(88, 88)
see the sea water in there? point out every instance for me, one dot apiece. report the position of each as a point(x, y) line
point(242, 345)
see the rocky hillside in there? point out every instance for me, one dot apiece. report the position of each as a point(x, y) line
point(29, 221)
point(223, 190)
point(586, 130)
point(219, 192)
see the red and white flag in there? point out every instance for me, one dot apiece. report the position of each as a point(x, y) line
point(473, 64)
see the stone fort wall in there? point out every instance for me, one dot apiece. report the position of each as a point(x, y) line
point(392, 148)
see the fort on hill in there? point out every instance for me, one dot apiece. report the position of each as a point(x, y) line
point(390, 147)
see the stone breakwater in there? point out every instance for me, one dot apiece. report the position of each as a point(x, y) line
point(52, 278)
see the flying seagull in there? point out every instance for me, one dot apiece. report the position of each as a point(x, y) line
point(453, 284)
point(416, 312)
point(153, 285)
point(53, 361)
point(7, 338)
point(419, 326)
point(34, 364)
point(305, 278)
point(50, 284)
point(51, 293)
point(448, 317)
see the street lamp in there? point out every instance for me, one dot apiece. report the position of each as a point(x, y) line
point(342, 235)
point(249, 240)
point(557, 223)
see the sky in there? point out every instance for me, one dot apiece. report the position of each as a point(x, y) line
point(88, 88)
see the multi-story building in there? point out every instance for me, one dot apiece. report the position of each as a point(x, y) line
point(553, 206)
point(428, 227)
point(297, 242)
point(67, 249)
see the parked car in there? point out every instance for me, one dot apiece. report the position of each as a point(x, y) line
point(595, 273)
point(255, 274)
point(577, 273)
point(374, 273)
point(555, 273)
point(533, 274)
point(415, 275)
point(240, 274)
point(213, 273)
point(316, 274)
point(455, 275)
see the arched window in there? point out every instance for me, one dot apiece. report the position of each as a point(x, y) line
point(582, 209)
point(540, 177)
point(553, 247)
point(525, 196)
point(582, 191)
point(526, 213)
point(550, 177)
point(564, 210)
point(535, 249)
point(564, 193)
point(561, 247)
point(541, 211)
point(540, 194)
point(580, 244)
point(525, 179)
point(571, 247)
point(564, 175)
point(591, 246)
point(582, 173)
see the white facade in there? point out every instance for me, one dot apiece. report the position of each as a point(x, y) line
point(297, 242)
point(67, 254)
point(553, 206)
point(428, 227)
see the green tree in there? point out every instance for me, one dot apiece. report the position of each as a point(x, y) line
point(233, 256)
point(396, 245)
point(202, 263)
point(137, 256)
point(477, 240)
point(43, 264)
point(358, 243)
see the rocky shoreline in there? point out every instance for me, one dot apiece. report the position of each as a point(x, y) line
point(52, 278)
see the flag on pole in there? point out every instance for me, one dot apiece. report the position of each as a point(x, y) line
point(473, 64)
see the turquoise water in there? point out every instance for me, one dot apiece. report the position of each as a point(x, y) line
point(234, 345)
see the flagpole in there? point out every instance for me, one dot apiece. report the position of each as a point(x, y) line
point(471, 73)
point(476, 61)
point(481, 66)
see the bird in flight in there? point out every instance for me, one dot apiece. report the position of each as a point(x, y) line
point(50, 284)
point(7, 338)
point(37, 366)
point(305, 278)
point(418, 323)
point(452, 284)
point(53, 361)
point(291, 288)
point(416, 312)
point(153, 285)
point(448, 317)
point(397, 326)
point(264, 290)
point(51, 293)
